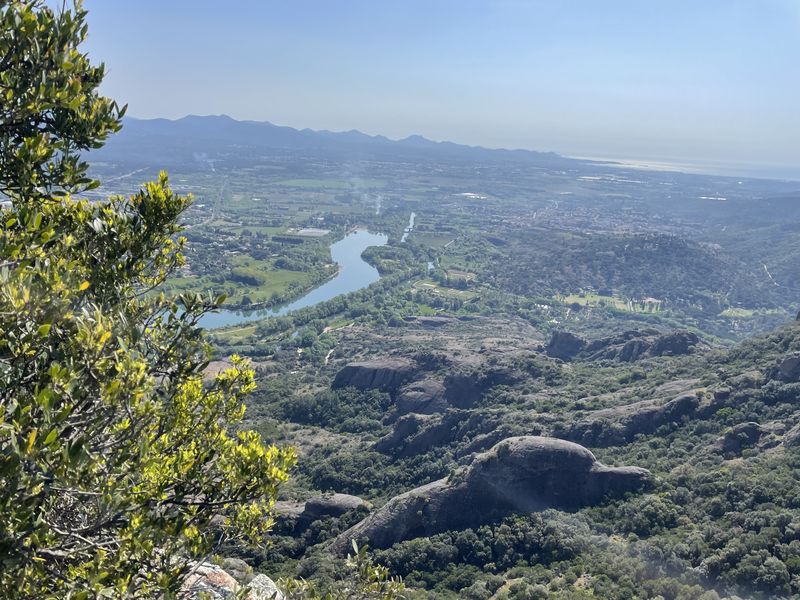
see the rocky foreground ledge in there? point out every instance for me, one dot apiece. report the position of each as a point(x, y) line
point(213, 582)
point(518, 475)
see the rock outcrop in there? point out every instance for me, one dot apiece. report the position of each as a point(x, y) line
point(634, 345)
point(238, 569)
point(211, 582)
point(414, 434)
point(518, 475)
point(386, 374)
point(318, 507)
point(564, 345)
point(676, 343)
point(404, 428)
point(792, 437)
point(423, 397)
point(465, 389)
point(262, 587)
point(788, 369)
point(739, 437)
point(331, 505)
point(619, 425)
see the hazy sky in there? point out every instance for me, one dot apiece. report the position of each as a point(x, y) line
point(686, 80)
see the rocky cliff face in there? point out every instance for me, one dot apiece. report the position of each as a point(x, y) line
point(628, 346)
point(386, 374)
point(423, 397)
point(564, 345)
point(318, 507)
point(787, 369)
point(518, 475)
point(613, 426)
point(465, 389)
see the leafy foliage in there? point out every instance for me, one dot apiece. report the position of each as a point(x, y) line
point(362, 580)
point(50, 109)
point(115, 456)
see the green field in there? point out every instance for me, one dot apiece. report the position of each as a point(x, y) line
point(592, 299)
point(432, 240)
point(274, 281)
point(235, 334)
point(431, 286)
point(749, 313)
point(264, 230)
point(737, 313)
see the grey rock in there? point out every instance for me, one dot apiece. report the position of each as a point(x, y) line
point(621, 339)
point(467, 388)
point(517, 475)
point(238, 569)
point(422, 397)
point(263, 588)
point(722, 394)
point(633, 350)
point(634, 345)
point(564, 345)
point(285, 509)
point(442, 431)
point(302, 514)
point(791, 438)
point(405, 427)
point(788, 369)
point(674, 344)
point(210, 582)
point(330, 505)
point(386, 374)
point(415, 434)
point(739, 437)
point(747, 380)
point(619, 425)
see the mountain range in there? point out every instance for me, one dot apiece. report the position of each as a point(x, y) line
point(221, 137)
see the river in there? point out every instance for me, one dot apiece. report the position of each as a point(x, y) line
point(354, 274)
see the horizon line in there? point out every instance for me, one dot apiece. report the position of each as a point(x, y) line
point(686, 166)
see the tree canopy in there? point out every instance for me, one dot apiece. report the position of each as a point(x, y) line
point(119, 463)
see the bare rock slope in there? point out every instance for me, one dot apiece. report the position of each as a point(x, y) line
point(385, 374)
point(518, 475)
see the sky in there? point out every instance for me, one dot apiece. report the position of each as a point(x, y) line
point(712, 82)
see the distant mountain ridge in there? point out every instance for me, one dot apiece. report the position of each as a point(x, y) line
point(222, 138)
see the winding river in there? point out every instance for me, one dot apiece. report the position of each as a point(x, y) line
point(354, 274)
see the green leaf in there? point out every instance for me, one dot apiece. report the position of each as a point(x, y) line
point(31, 440)
point(51, 437)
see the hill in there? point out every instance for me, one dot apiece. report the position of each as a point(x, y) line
point(197, 139)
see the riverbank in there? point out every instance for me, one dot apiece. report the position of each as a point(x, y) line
point(353, 274)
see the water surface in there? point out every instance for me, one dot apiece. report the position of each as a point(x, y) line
point(354, 274)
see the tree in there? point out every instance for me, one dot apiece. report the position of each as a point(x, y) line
point(362, 580)
point(118, 464)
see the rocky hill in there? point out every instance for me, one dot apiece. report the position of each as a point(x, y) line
point(519, 475)
point(495, 426)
